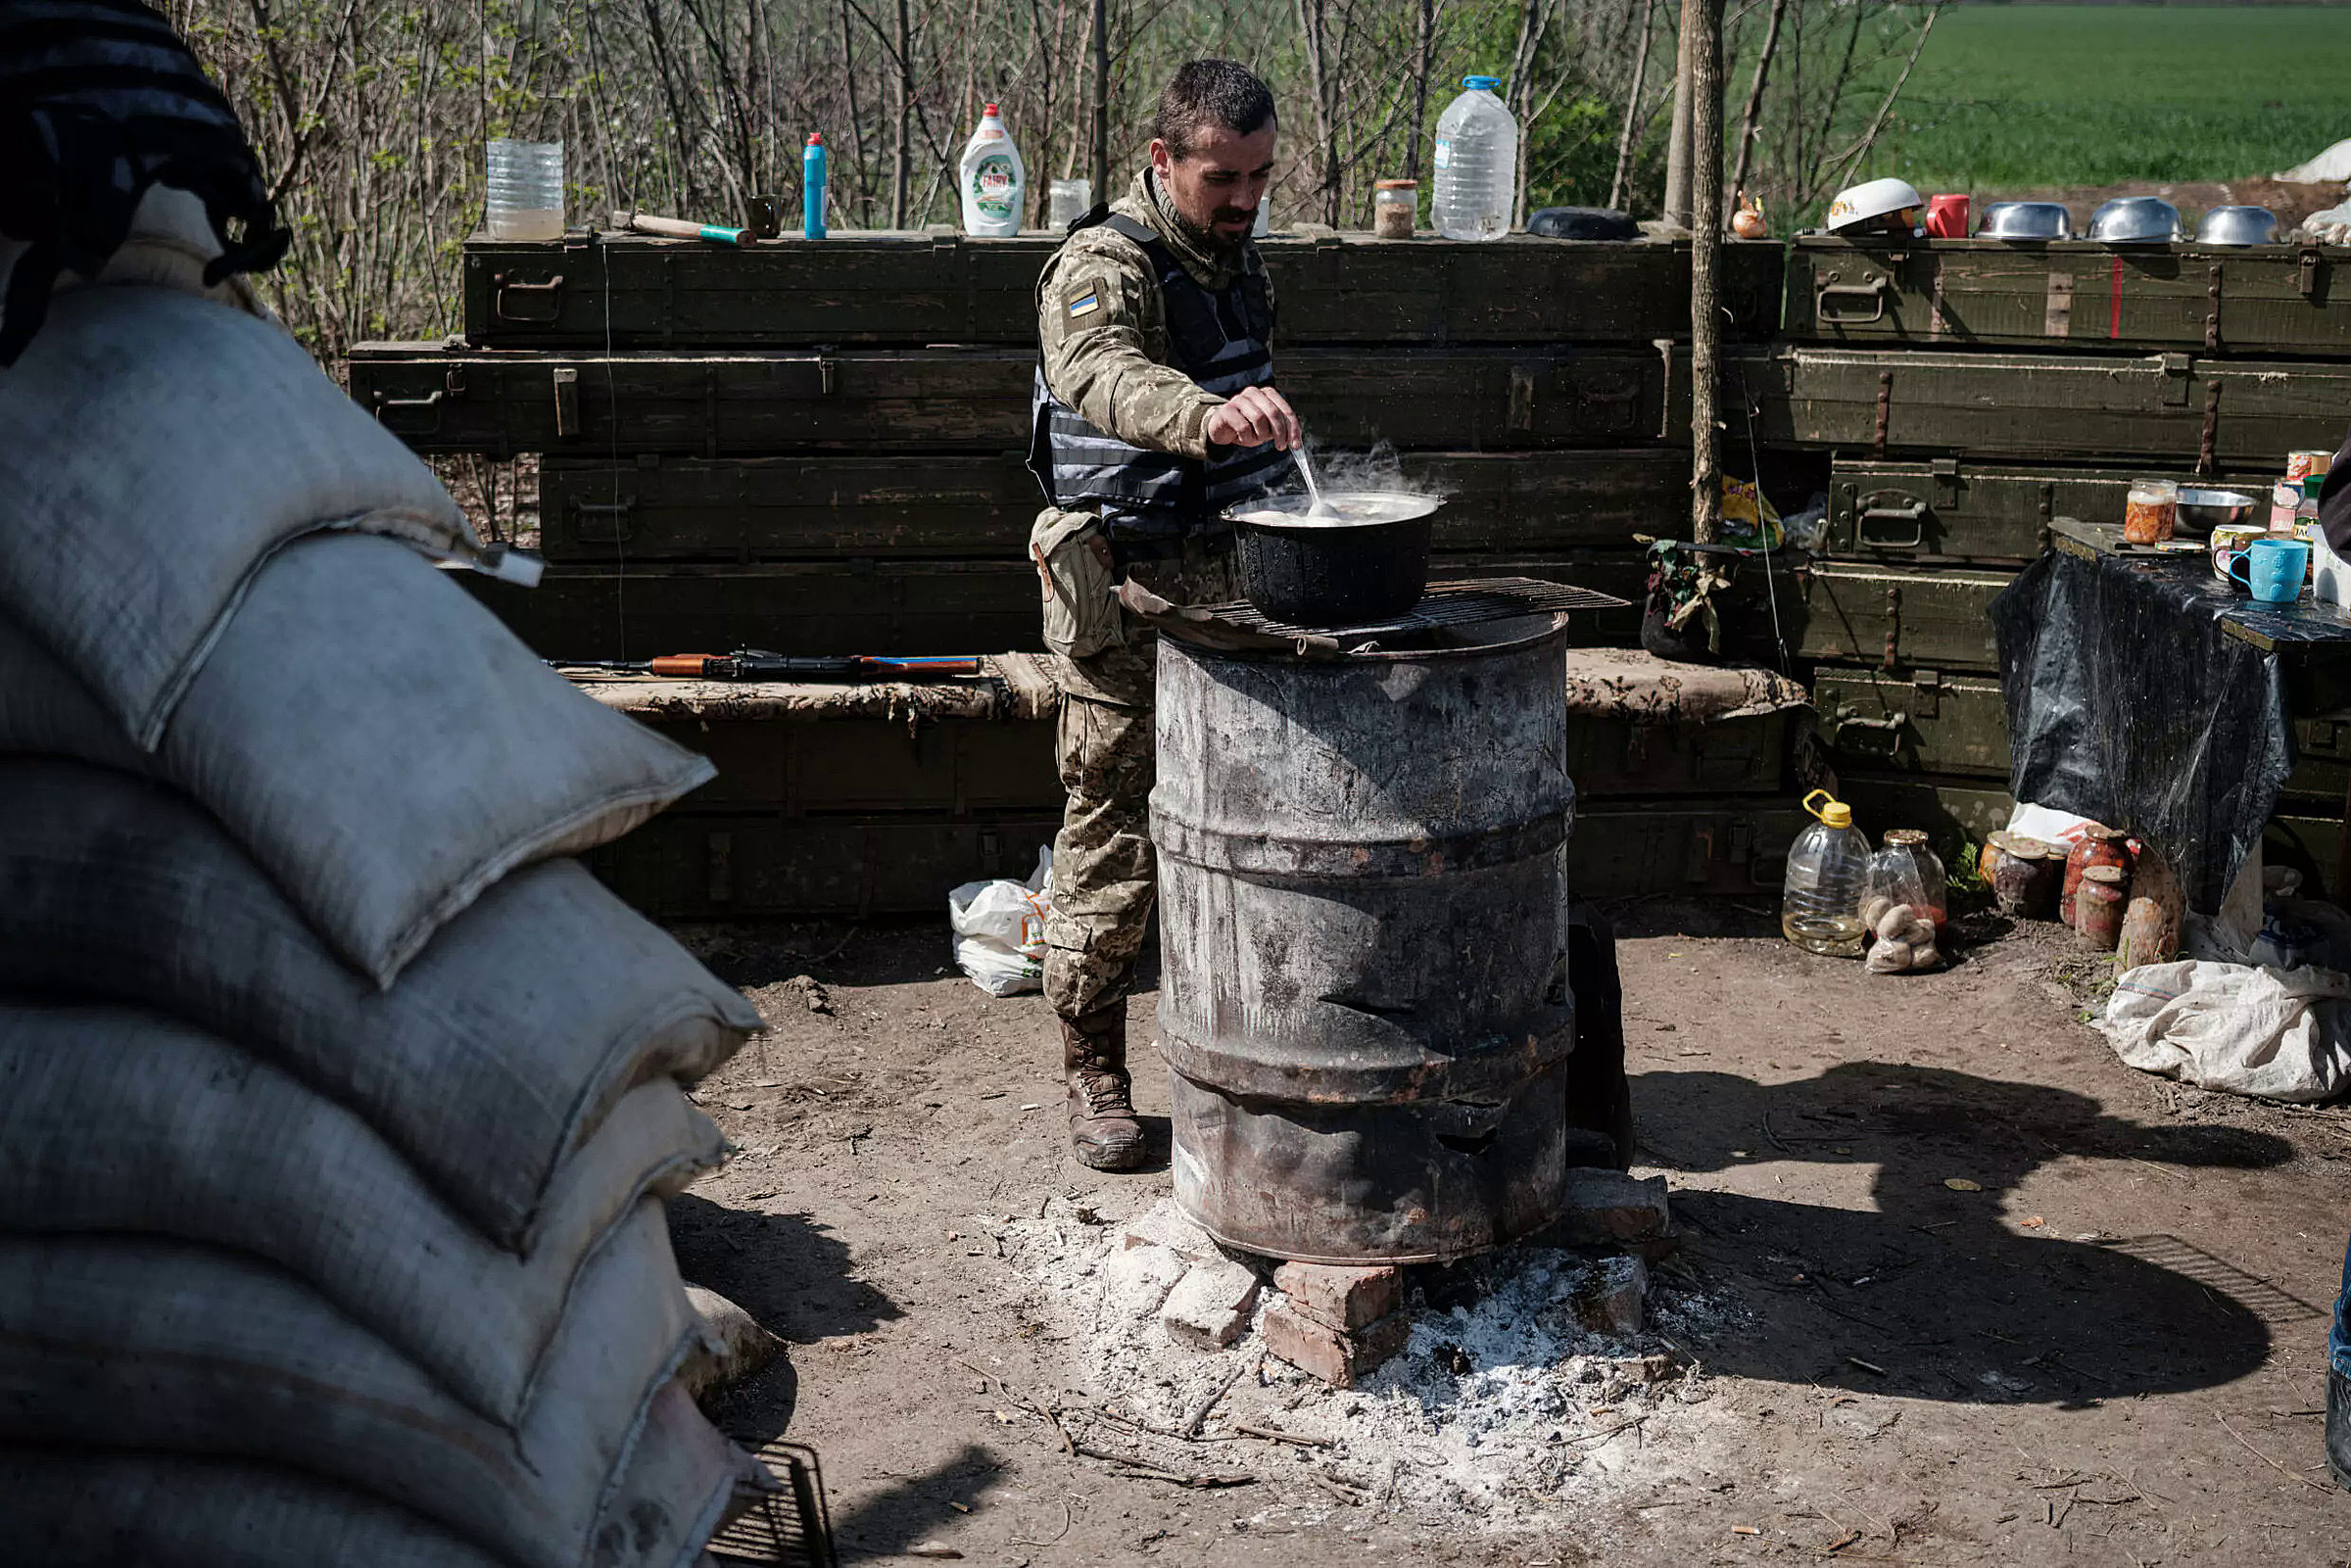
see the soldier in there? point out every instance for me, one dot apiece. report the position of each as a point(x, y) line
point(1154, 411)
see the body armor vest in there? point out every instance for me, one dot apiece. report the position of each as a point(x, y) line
point(1221, 340)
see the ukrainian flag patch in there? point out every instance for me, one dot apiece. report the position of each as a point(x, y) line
point(1085, 306)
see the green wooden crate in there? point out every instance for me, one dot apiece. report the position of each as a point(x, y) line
point(1622, 849)
point(2177, 410)
point(635, 292)
point(753, 403)
point(1954, 509)
point(2266, 300)
point(944, 507)
point(1896, 616)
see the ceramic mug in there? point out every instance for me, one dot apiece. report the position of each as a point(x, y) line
point(2271, 570)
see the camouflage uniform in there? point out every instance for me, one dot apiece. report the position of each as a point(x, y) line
point(1110, 361)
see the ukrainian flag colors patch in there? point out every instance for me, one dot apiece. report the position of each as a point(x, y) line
point(1087, 306)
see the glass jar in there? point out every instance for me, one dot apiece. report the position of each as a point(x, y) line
point(1394, 204)
point(2098, 846)
point(1933, 886)
point(1067, 200)
point(2150, 510)
point(2026, 879)
point(2098, 906)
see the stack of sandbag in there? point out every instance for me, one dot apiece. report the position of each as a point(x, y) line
point(338, 1105)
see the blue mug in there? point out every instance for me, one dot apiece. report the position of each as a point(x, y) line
point(2273, 569)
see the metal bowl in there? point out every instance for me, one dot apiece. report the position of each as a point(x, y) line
point(2025, 221)
point(2134, 221)
point(2237, 225)
point(2203, 511)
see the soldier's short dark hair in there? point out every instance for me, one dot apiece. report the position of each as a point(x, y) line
point(1211, 92)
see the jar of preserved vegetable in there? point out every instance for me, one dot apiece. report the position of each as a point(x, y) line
point(2098, 846)
point(1394, 202)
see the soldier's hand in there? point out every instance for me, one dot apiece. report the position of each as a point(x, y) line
point(1255, 416)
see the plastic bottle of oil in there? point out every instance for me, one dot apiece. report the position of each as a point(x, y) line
point(1820, 904)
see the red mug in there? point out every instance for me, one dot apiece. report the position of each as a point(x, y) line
point(1948, 216)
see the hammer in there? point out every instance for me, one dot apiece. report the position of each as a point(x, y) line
point(680, 228)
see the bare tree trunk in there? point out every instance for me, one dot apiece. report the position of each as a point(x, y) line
point(1677, 151)
point(1703, 20)
point(856, 143)
point(1754, 95)
point(1101, 141)
point(1424, 51)
point(901, 165)
point(1632, 106)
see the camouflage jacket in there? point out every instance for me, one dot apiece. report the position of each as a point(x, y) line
point(1111, 361)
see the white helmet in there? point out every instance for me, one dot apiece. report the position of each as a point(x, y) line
point(1876, 205)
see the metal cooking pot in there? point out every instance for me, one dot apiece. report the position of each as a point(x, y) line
point(2134, 219)
point(2203, 511)
point(1366, 561)
point(2237, 225)
point(2025, 221)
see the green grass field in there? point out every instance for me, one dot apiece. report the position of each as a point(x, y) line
point(2008, 98)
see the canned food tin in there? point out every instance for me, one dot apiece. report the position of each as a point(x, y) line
point(2304, 463)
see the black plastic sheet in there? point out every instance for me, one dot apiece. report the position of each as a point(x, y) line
point(2129, 704)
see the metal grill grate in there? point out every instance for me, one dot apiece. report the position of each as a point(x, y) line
point(1464, 603)
point(785, 1527)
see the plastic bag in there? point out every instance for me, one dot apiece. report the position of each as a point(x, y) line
point(1000, 929)
point(1748, 517)
point(2275, 1034)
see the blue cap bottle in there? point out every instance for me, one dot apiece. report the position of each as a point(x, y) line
point(812, 188)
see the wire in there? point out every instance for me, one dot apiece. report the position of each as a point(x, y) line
point(1771, 588)
point(620, 530)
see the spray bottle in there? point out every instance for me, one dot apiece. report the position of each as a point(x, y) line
point(993, 180)
point(812, 188)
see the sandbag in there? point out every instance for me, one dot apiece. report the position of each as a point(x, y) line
point(163, 1511)
point(122, 1122)
point(2277, 1034)
point(159, 447)
point(173, 1347)
point(379, 743)
point(680, 1477)
point(499, 1053)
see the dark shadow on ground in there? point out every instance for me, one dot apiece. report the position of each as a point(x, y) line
point(787, 1270)
point(1940, 1292)
point(917, 1507)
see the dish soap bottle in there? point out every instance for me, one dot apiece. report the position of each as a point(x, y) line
point(993, 180)
point(1820, 904)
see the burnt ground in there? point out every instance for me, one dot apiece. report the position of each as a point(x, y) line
point(2111, 1350)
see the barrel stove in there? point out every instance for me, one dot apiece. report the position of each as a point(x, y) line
point(1364, 994)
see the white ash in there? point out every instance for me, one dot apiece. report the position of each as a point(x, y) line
point(1502, 1406)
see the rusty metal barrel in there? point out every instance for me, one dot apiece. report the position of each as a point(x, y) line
point(1363, 990)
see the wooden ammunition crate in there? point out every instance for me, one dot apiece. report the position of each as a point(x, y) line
point(1620, 849)
point(746, 510)
point(1956, 510)
point(1900, 615)
point(2268, 299)
point(635, 292)
point(1938, 722)
point(1610, 758)
point(2177, 409)
point(868, 401)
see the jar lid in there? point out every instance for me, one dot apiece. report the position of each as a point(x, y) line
point(1906, 835)
point(2102, 873)
point(2030, 848)
point(2098, 829)
point(1395, 184)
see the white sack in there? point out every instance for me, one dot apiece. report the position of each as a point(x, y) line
point(2278, 1034)
point(999, 929)
point(161, 1510)
point(123, 1122)
point(170, 1347)
point(377, 742)
point(499, 1053)
point(158, 449)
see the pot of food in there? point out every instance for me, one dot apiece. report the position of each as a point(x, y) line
point(1363, 557)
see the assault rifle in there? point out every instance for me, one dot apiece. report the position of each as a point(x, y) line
point(757, 664)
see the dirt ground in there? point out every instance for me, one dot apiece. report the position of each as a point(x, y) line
point(2110, 1351)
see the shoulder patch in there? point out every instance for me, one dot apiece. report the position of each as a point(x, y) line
point(1085, 304)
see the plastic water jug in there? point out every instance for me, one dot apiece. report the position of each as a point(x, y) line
point(527, 191)
point(993, 180)
point(1820, 903)
point(1478, 163)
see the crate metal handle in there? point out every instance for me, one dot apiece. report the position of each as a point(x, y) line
point(1915, 514)
point(1883, 735)
point(551, 288)
point(1873, 294)
point(617, 533)
point(386, 405)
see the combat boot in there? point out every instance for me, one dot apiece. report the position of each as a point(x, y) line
point(1103, 1129)
point(2338, 1427)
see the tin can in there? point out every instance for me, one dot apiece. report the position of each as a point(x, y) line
point(2098, 906)
point(2026, 879)
point(2308, 462)
point(2098, 846)
point(2150, 510)
point(2228, 541)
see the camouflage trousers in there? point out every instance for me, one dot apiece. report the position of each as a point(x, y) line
point(1105, 876)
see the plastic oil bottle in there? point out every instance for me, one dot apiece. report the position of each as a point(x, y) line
point(1820, 903)
point(812, 187)
point(1476, 163)
point(993, 180)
